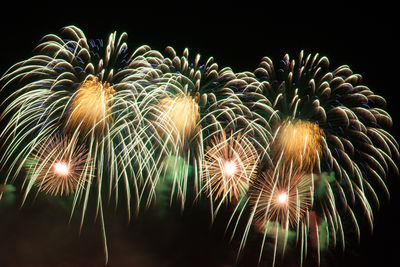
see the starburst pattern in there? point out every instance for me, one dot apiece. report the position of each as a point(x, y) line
point(282, 197)
point(230, 164)
point(59, 167)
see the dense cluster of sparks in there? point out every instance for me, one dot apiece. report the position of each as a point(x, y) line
point(179, 116)
point(283, 197)
point(298, 142)
point(57, 167)
point(284, 145)
point(230, 163)
point(90, 108)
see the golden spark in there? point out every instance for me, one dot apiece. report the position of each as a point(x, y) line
point(299, 142)
point(179, 116)
point(91, 106)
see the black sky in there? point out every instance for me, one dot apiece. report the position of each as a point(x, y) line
point(238, 38)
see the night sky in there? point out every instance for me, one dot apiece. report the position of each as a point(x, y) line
point(39, 233)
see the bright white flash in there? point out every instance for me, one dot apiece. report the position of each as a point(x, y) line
point(283, 198)
point(61, 168)
point(230, 168)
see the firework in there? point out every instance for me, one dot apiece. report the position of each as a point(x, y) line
point(281, 200)
point(88, 90)
point(194, 103)
point(59, 167)
point(230, 164)
point(328, 125)
point(282, 197)
point(297, 148)
point(91, 93)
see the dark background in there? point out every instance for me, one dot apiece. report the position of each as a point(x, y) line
point(38, 234)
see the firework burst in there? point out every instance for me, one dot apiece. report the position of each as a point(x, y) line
point(89, 92)
point(327, 123)
point(282, 197)
point(59, 167)
point(281, 200)
point(194, 103)
point(230, 164)
point(298, 148)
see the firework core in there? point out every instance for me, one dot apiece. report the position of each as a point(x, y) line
point(61, 168)
point(283, 198)
point(230, 168)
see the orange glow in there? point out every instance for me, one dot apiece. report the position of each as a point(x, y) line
point(91, 105)
point(180, 116)
point(299, 142)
